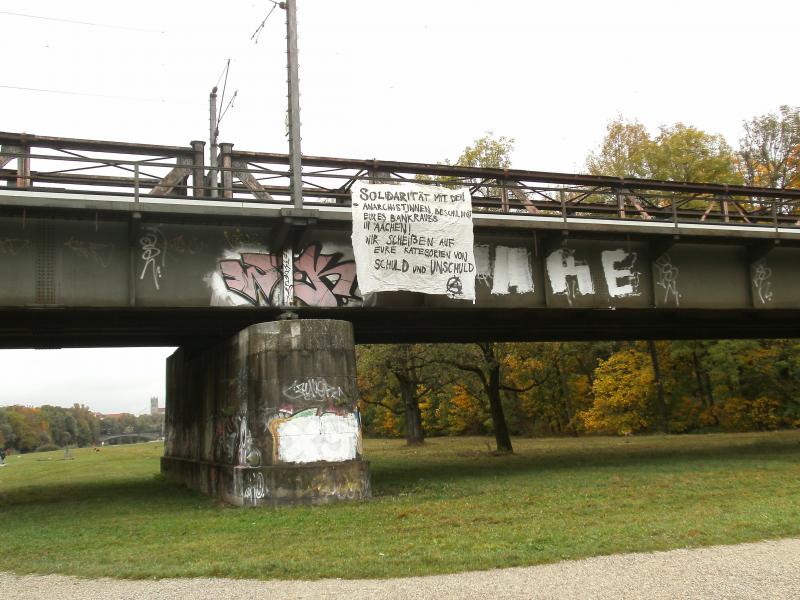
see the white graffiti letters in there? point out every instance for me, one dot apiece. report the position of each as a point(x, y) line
point(151, 252)
point(510, 271)
point(255, 488)
point(761, 280)
point(667, 278)
point(567, 275)
point(287, 270)
point(621, 278)
point(313, 389)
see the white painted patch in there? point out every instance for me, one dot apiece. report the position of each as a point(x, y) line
point(312, 438)
point(561, 264)
point(483, 264)
point(512, 271)
point(621, 278)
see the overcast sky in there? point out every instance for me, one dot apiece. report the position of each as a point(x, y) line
point(415, 80)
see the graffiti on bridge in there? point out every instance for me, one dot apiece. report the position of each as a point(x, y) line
point(319, 279)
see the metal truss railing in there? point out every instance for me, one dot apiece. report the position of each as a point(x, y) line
point(50, 164)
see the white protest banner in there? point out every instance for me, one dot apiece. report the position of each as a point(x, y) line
point(413, 237)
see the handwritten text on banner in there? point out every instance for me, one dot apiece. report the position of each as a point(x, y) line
point(413, 237)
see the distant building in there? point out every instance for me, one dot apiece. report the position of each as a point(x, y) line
point(154, 408)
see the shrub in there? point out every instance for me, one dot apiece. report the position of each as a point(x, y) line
point(47, 448)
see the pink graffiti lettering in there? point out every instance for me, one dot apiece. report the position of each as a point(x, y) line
point(254, 277)
point(319, 279)
point(324, 279)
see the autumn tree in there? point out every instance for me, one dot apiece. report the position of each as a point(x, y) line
point(565, 373)
point(623, 390)
point(624, 151)
point(678, 153)
point(488, 152)
point(492, 364)
point(410, 366)
point(492, 153)
point(769, 150)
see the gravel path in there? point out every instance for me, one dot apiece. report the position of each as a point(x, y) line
point(759, 570)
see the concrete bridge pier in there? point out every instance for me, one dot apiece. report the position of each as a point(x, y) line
point(268, 416)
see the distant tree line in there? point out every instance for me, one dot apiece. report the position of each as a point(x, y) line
point(27, 429)
point(574, 388)
point(604, 387)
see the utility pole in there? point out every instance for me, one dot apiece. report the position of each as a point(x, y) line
point(295, 172)
point(214, 132)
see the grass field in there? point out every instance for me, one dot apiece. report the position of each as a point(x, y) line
point(447, 507)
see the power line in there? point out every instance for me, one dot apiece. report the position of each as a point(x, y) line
point(224, 72)
point(73, 93)
point(224, 87)
point(257, 32)
point(230, 104)
point(74, 22)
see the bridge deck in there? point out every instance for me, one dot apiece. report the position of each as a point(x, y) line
point(105, 243)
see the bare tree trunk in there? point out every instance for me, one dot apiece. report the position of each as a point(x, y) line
point(501, 435)
point(661, 405)
point(415, 434)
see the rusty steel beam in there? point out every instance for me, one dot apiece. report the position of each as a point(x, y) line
point(521, 175)
point(59, 143)
point(510, 175)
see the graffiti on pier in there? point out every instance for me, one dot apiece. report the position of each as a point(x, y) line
point(315, 389)
point(13, 246)
point(667, 278)
point(253, 277)
point(248, 454)
point(313, 436)
point(234, 444)
point(761, 280)
point(254, 486)
point(154, 253)
point(97, 253)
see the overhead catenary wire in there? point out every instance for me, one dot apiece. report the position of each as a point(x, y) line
point(257, 32)
point(90, 95)
point(229, 105)
point(76, 22)
point(224, 87)
point(224, 71)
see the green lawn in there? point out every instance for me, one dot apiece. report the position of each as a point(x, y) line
point(449, 506)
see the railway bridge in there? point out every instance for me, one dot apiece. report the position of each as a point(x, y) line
point(109, 243)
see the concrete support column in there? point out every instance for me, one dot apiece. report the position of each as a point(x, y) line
point(268, 417)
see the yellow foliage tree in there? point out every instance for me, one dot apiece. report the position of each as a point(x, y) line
point(467, 414)
point(623, 388)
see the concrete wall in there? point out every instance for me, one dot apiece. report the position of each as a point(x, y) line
point(268, 416)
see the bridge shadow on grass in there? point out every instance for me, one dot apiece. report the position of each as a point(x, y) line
point(141, 492)
point(391, 476)
point(437, 466)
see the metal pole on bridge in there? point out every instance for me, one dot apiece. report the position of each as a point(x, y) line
point(213, 134)
point(295, 172)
